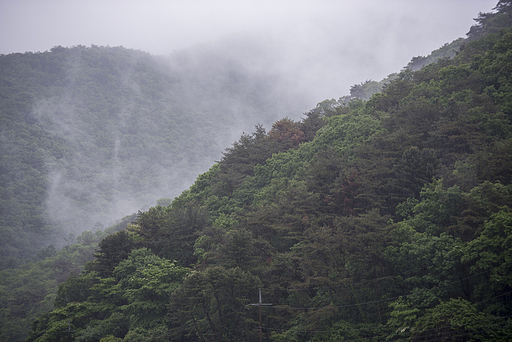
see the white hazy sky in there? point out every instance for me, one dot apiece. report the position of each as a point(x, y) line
point(360, 39)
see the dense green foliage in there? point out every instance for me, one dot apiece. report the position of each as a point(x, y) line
point(383, 219)
point(388, 219)
point(91, 134)
point(31, 289)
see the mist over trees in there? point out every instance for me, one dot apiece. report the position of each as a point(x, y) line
point(383, 215)
point(91, 134)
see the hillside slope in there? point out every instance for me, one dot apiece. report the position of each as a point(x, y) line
point(388, 219)
point(91, 134)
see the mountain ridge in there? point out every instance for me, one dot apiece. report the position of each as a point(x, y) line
point(357, 221)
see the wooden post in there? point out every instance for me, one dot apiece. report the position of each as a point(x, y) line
point(260, 304)
point(69, 331)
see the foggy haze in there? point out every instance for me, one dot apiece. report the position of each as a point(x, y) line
point(325, 45)
point(151, 136)
point(287, 55)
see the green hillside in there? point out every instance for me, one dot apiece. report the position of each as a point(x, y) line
point(381, 216)
point(380, 220)
point(91, 134)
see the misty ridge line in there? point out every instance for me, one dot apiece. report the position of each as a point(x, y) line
point(92, 134)
point(140, 127)
point(144, 129)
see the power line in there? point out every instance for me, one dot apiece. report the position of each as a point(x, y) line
point(376, 301)
point(452, 333)
point(359, 283)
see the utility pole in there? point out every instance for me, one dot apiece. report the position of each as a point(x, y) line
point(260, 304)
point(69, 331)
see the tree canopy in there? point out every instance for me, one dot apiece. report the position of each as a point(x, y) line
point(385, 219)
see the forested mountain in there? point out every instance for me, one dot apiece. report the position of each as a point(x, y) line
point(385, 219)
point(91, 134)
